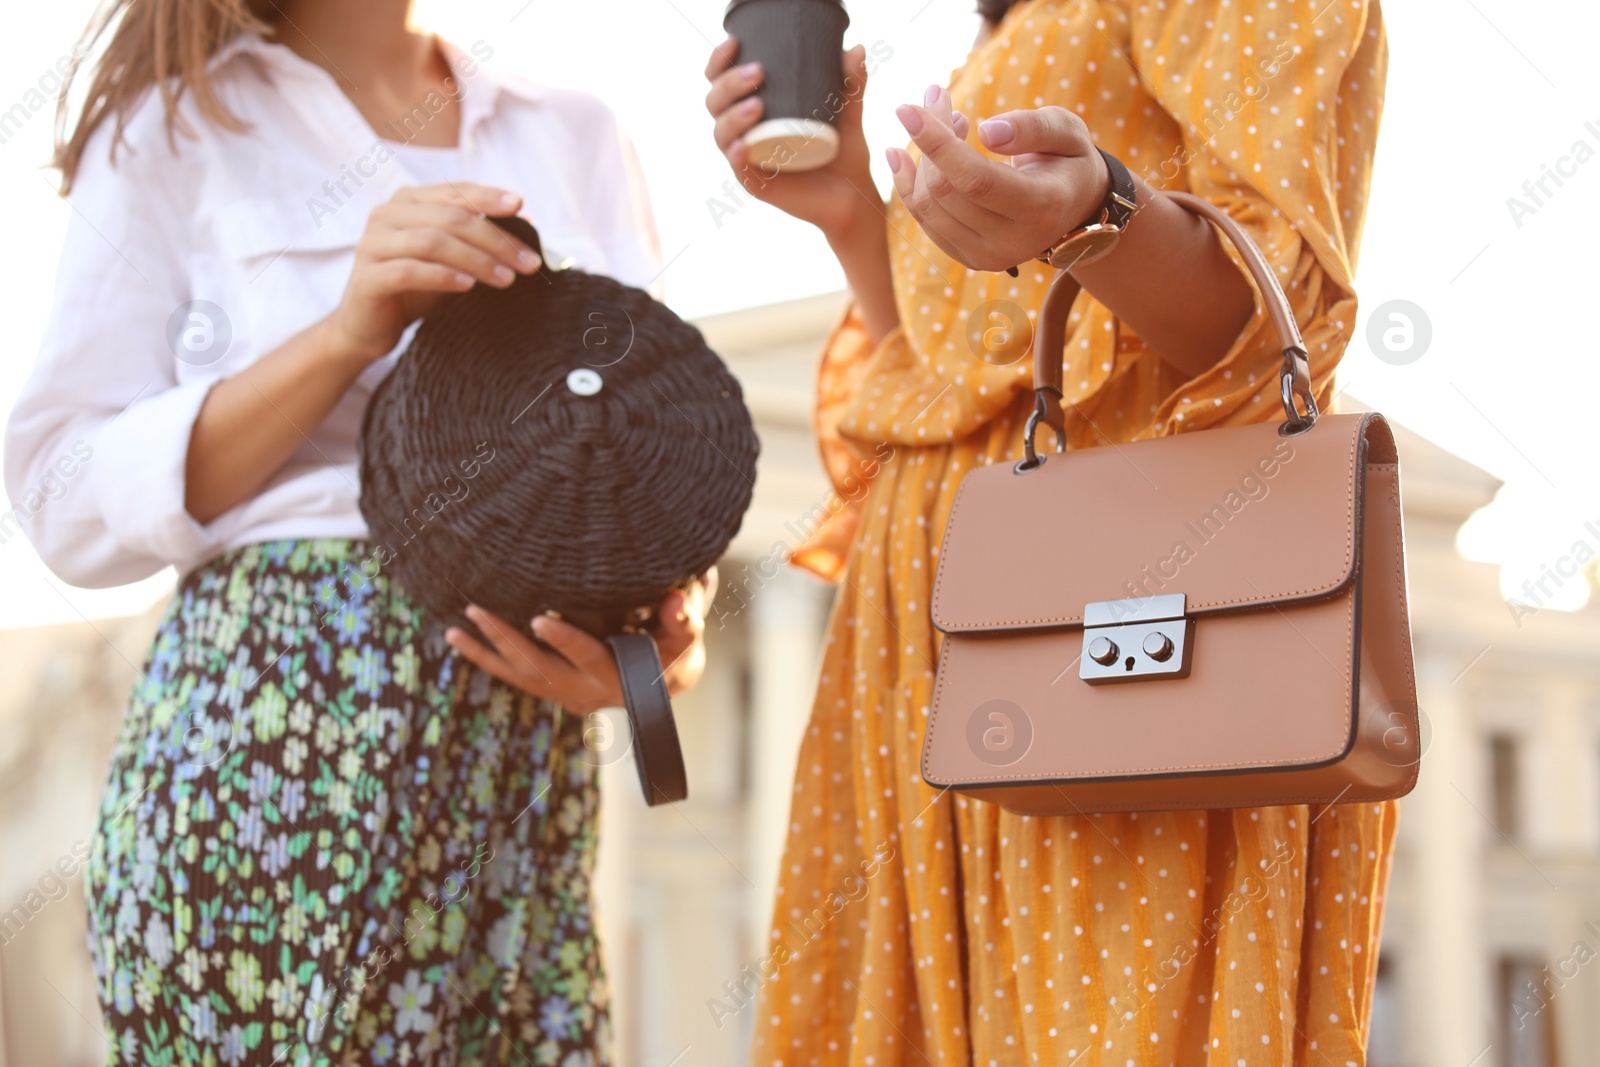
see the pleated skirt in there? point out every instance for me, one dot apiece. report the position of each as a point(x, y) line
point(326, 839)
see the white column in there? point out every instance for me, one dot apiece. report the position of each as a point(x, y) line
point(688, 885)
point(1452, 1016)
point(1559, 762)
point(614, 897)
point(787, 617)
point(1574, 799)
point(3, 1040)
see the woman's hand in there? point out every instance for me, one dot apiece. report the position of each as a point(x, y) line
point(1169, 280)
point(832, 198)
point(580, 674)
point(426, 241)
point(839, 199)
point(985, 213)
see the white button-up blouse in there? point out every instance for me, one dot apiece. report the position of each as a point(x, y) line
point(183, 265)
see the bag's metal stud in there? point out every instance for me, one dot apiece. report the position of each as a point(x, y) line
point(1104, 651)
point(1158, 646)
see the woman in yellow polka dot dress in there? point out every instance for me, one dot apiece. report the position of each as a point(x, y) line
point(1245, 937)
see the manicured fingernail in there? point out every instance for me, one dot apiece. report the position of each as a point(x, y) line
point(909, 119)
point(503, 273)
point(749, 105)
point(474, 612)
point(893, 155)
point(510, 200)
point(930, 96)
point(464, 281)
point(527, 260)
point(751, 70)
point(997, 132)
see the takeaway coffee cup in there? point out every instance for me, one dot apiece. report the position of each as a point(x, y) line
point(798, 44)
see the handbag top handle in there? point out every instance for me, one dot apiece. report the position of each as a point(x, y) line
point(1050, 337)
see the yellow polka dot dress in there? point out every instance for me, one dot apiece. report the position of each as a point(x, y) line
point(919, 927)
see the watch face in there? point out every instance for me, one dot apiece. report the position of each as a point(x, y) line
point(1085, 246)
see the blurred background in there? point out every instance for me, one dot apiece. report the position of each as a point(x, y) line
point(1473, 297)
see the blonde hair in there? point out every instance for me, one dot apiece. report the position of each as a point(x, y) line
point(162, 43)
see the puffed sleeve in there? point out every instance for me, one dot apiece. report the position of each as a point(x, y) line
point(1278, 108)
point(96, 445)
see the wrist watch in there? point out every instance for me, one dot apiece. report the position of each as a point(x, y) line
point(1097, 237)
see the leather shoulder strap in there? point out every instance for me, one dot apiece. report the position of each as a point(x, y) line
point(656, 753)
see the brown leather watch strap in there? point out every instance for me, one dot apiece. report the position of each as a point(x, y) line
point(1050, 337)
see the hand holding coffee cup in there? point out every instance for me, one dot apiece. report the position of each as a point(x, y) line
point(837, 198)
point(797, 44)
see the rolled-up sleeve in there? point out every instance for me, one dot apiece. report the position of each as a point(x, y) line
point(96, 446)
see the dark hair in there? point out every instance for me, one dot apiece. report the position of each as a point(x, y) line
point(995, 10)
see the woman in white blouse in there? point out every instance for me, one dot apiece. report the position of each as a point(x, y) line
point(329, 834)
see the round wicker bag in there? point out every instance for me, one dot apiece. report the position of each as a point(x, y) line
point(566, 444)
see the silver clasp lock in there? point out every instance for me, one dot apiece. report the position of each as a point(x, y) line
point(1138, 640)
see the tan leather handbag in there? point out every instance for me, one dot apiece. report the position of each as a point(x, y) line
point(1206, 620)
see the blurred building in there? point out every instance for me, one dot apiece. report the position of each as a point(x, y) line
point(1493, 915)
point(1494, 909)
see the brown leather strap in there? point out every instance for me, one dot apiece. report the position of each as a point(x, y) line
point(1050, 338)
point(656, 754)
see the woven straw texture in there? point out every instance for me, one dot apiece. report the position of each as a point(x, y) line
point(797, 43)
point(595, 506)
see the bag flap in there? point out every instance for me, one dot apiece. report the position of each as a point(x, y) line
point(1232, 518)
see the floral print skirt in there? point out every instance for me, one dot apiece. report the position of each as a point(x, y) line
point(327, 839)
